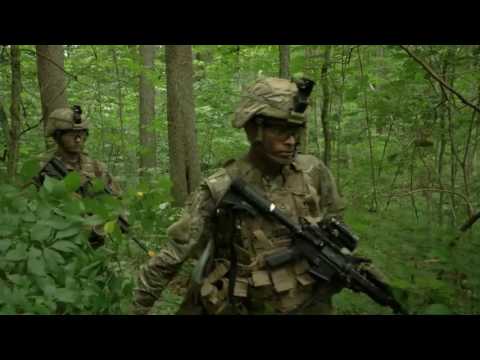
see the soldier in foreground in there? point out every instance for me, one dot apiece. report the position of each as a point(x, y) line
point(272, 114)
point(69, 128)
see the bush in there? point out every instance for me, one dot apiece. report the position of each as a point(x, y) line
point(46, 263)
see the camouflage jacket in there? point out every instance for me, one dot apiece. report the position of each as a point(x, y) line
point(305, 188)
point(88, 168)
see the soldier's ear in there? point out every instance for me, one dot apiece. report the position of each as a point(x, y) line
point(56, 136)
point(251, 129)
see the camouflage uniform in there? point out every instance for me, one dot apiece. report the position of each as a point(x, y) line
point(89, 169)
point(305, 188)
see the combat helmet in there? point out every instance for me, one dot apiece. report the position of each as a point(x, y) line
point(66, 119)
point(275, 98)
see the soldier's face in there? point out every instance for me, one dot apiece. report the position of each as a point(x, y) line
point(73, 141)
point(280, 141)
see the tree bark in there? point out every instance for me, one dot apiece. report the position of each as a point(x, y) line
point(327, 136)
point(118, 78)
point(51, 79)
point(147, 154)
point(184, 160)
point(15, 114)
point(284, 53)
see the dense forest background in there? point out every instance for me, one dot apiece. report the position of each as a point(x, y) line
point(398, 126)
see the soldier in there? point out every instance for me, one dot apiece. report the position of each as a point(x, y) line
point(69, 128)
point(272, 114)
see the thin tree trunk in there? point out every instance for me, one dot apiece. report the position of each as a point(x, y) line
point(284, 52)
point(340, 116)
point(99, 102)
point(51, 79)
point(412, 197)
point(374, 205)
point(385, 145)
point(118, 78)
point(184, 160)
point(327, 153)
point(453, 164)
point(441, 153)
point(15, 114)
point(147, 156)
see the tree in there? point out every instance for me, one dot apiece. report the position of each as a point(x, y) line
point(13, 130)
point(147, 154)
point(51, 78)
point(184, 160)
point(284, 52)
point(327, 154)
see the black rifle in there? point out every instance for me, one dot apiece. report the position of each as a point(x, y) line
point(321, 244)
point(57, 169)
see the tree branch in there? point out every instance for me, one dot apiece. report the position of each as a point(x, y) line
point(463, 197)
point(439, 79)
point(468, 224)
point(29, 128)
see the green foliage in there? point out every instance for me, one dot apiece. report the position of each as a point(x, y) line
point(47, 265)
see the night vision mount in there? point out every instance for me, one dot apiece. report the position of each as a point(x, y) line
point(305, 87)
point(77, 114)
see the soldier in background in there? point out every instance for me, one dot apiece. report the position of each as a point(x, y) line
point(69, 128)
point(272, 114)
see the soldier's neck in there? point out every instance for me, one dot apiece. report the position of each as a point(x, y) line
point(266, 166)
point(72, 158)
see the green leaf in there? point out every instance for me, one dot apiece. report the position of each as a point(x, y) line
point(94, 220)
point(109, 227)
point(36, 265)
point(68, 233)
point(72, 181)
point(29, 217)
point(17, 279)
point(5, 244)
point(73, 206)
point(59, 223)
point(40, 232)
point(44, 211)
point(49, 184)
point(65, 295)
point(9, 224)
point(51, 254)
point(64, 246)
point(30, 169)
point(98, 185)
point(17, 254)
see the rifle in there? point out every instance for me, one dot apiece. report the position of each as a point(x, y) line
point(57, 169)
point(323, 245)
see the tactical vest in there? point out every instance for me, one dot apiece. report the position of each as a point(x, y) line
point(90, 169)
point(283, 289)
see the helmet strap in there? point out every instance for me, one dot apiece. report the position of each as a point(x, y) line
point(259, 135)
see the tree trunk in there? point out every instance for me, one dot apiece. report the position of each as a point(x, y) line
point(147, 154)
point(184, 160)
point(327, 136)
point(284, 52)
point(118, 79)
point(374, 205)
point(15, 115)
point(51, 79)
